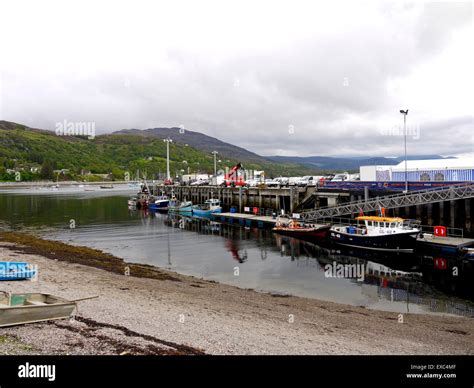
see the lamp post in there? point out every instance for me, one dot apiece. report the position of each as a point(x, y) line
point(405, 113)
point(215, 162)
point(185, 162)
point(168, 141)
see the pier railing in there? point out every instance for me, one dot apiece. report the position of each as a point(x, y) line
point(450, 232)
point(392, 201)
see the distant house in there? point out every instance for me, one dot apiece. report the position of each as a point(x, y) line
point(62, 171)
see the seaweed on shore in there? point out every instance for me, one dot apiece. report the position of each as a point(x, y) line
point(56, 250)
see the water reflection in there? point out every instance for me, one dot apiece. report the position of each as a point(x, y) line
point(401, 278)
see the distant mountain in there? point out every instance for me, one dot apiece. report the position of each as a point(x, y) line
point(399, 158)
point(37, 153)
point(199, 141)
point(347, 163)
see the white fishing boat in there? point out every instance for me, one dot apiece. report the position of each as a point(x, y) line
point(378, 233)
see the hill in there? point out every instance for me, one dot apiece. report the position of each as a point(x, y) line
point(36, 153)
point(197, 140)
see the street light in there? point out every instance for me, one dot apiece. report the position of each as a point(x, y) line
point(185, 162)
point(168, 141)
point(404, 113)
point(215, 162)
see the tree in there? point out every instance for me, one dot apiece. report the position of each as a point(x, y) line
point(47, 170)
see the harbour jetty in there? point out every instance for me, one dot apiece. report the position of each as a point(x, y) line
point(450, 210)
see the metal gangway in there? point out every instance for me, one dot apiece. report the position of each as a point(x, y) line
point(465, 190)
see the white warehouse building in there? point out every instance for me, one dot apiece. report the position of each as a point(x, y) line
point(452, 170)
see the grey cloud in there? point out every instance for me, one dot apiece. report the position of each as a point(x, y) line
point(331, 88)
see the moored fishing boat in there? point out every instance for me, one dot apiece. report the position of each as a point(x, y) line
point(181, 207)
point(144, 196)
point(302, 230)
point(378, 233)
point(211, 206)
point(160, 203)
point(13, 270)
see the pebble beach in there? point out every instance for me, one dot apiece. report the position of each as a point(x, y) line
point(173, 314)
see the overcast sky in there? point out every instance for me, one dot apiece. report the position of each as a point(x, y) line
point(279, 78)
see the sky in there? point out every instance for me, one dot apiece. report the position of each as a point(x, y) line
point(276, 77)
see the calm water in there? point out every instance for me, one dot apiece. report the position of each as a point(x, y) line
point(248, 258)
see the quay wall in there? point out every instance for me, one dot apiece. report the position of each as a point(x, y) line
point(452, 213)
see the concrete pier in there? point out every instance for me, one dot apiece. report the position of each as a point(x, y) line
point(451, 213)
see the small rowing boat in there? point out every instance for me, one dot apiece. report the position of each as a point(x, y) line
point(17, 309)
point(13, 270)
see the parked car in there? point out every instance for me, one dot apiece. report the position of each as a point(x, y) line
point(252, 182)
point(293, 181)
point(340, 177)
point(304, 181)
point(200, 182)
point(274, 182)
point(278, 182)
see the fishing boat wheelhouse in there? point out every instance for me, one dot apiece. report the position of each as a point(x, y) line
point(378, 233)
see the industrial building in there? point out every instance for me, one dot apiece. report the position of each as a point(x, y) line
point(439, 170)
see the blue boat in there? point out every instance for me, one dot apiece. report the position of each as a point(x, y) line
point(211, 206)
point(160, 203)
point(14, 270)
point(180, 207)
